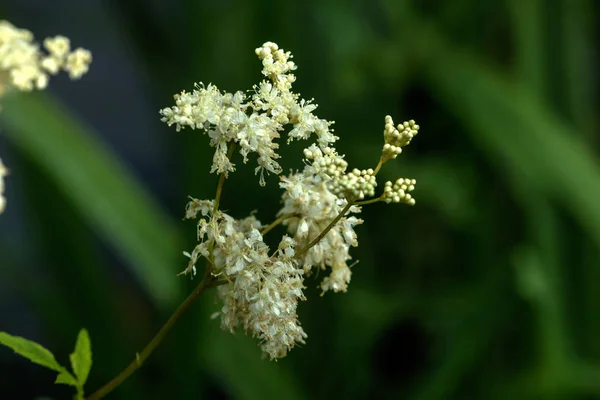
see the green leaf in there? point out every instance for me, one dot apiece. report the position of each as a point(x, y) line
point(33, 351)
point(66, 378)
point(81, 358)
point(99, 187)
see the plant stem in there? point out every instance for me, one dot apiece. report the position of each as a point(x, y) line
point(378, 167)
point(273, 224)
point(365, 202)
point(222, 179)
point(325, 231)
point(208, 282)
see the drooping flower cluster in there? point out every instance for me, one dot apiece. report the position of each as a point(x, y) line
point(25, 67)
point(260, 289)
point(263, 291)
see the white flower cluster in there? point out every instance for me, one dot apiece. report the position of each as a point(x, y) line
point(260, 289)
point(263, 291)
point(251, 122)
point(24, 67)
point(3, 173)
point(313, 206)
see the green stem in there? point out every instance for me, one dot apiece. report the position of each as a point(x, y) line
point(365, 202)
point(325, 231)
point(222, 179)
point(273, 224)
point(378, 167)
point(208, 282)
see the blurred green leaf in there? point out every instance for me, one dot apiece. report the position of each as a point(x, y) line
point(33, 351)
point(519, 132)
point(81, 358)
point(102, 190)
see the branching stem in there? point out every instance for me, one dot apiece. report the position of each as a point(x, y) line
point(321, 235)
point(278, 221)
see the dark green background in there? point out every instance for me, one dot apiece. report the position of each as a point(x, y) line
point(489, 288)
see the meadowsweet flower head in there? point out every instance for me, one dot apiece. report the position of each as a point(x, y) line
point(260, 288)
point(25, 67)
point(251, 122)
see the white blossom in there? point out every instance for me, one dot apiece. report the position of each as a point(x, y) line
point(308, 196)
point(25, 67)
point(254, 123)
point(260, 289)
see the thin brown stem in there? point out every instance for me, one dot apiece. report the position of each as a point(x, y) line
point(321, 235)
point(208, 282)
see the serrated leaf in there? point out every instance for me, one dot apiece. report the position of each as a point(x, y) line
point(66, 378)
point(81, 358)
point(31, 350)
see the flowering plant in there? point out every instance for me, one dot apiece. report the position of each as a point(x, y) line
point(259, 287)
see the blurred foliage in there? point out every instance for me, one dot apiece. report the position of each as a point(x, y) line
point(487, 288)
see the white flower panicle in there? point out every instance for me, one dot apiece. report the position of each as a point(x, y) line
point(253, 123)
point(260, 289)
point(25, 67)
point(3, 173)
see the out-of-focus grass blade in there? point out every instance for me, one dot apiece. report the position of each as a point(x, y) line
point(517, 129)
point(98, 186)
